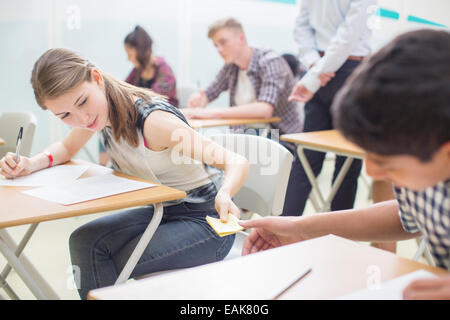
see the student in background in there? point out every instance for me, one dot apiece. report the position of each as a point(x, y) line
point(146, 137)
point(396, 106)
point(333, 38)
point(259, 82)
point(149, 71)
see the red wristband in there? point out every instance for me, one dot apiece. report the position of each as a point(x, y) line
point(50, 158)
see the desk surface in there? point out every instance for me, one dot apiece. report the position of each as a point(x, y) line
point(339, 266)
point(208, 123)
point(326, 140)
point(18, 208)
point(2, 142)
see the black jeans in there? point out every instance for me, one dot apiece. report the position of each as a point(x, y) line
point(318, 117)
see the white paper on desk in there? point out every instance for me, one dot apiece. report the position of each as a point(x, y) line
point(389, 290)
point(47, 177)
point(87, 189)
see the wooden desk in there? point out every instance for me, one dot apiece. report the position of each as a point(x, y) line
point(339, 266)
point(22, 209)
point(209, 123)
point(324, 141)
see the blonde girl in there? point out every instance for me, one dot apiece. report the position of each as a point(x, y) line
point(140, 132)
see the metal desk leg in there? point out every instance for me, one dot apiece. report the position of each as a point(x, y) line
point(316, 197)
point(5, 286)
point(15, 259)
point(142, 244)
point(337, 183)
point(20, 247)
point(21, 270)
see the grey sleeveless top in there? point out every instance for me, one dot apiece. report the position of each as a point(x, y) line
point(167, 167)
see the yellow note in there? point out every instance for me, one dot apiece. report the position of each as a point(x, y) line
point(227, 228)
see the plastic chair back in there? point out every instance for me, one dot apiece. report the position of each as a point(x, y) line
point(270, 164)
point(10, 123)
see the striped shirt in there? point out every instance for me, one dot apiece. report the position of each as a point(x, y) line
point(428, 212)
point(273, 82)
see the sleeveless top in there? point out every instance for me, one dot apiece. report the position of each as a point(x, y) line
point(167, 167)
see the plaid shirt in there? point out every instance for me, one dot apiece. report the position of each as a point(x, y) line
point(273, 82)
point(428, 211)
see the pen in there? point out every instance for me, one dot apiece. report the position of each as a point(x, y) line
point(18, 143)
point(300, 277)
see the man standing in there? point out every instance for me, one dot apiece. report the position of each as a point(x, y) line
point(259, 82)
point(333, 37)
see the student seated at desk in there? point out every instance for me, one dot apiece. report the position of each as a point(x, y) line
point(150, 71)
point(397, 108)
point(259, 82)
point(145, 137)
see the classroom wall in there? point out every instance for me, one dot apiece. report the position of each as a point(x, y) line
point(178, 27)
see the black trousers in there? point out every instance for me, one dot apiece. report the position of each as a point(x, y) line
point(318, 117)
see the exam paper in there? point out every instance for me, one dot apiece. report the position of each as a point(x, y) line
point(389, 290)
point(87, 189)
point(47, 177)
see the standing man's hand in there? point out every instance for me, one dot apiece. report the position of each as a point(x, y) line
point(300, 93)
point(325, 78)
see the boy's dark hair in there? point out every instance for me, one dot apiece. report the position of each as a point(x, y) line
point(398, 101)
point(142, 42)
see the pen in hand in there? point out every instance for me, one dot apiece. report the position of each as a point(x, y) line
point(18, 143)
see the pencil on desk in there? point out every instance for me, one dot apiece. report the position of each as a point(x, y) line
point(300, 277)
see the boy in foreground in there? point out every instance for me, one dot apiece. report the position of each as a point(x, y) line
point(396, 106)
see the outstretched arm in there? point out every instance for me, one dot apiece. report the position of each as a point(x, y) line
point(61, 151)
point(164, 130)
point(378, 222)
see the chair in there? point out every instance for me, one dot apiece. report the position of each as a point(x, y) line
point(183, 94)
point(10, 123)
point(265, 187)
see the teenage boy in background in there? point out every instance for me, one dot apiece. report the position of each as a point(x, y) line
point(259, 82)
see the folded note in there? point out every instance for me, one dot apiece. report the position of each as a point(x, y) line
point(46, 177)
point(87, 189)
point(225, 228)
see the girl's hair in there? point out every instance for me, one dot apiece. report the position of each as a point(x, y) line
point(142, 42)
point(59, 70)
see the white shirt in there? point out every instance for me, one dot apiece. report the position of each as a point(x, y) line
point(337, 27)
point(245, 92)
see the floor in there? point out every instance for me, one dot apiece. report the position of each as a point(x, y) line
point(48, 248)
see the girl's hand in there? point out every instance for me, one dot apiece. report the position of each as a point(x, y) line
point(428, 289)
point(224, 206)
point(10, 169)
